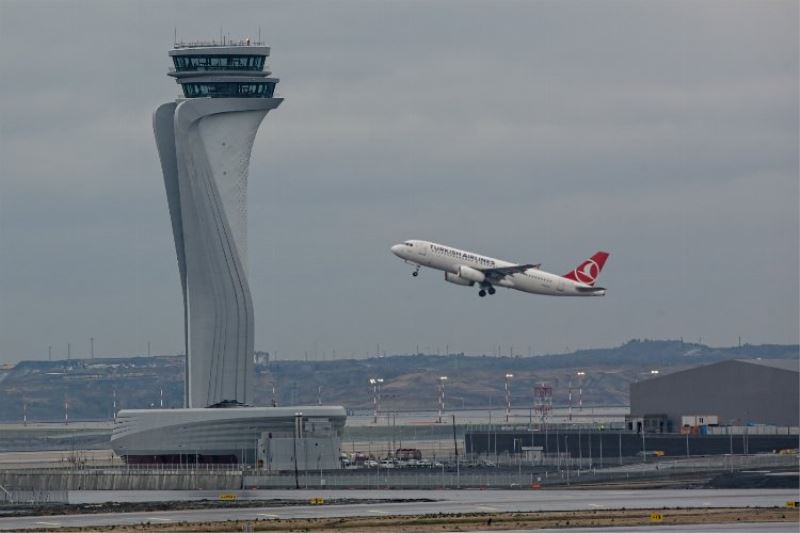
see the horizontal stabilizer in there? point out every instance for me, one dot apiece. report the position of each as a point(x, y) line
point(581, 288)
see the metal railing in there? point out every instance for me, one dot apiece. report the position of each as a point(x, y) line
point(212, 43)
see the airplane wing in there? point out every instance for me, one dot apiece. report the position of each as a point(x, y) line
point(501, 272)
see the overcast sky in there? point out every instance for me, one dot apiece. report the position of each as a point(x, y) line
point(664, 132)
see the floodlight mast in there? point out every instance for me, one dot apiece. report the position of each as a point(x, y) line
point(580, 375)
point(508, 395)
point(442, 380)
point(376, 397)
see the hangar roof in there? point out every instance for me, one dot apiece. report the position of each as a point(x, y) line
point(783, 364)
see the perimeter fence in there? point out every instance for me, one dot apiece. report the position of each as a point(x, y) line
point(452, 475)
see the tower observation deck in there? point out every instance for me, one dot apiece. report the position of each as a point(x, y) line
point(222, 70)
point(204, 141)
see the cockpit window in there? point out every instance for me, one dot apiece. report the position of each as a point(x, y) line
point(409, 243)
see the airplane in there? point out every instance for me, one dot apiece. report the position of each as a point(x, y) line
point(466, 268)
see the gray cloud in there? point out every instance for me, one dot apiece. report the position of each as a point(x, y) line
point(666, 132)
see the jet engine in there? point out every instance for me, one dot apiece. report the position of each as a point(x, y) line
point(454, 278)
point(471, 274)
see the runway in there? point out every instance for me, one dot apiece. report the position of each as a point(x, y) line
point(765, 527)
point(446, 501)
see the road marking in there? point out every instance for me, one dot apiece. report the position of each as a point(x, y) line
point(268, 515)
point(377, 511)
point(50, 523)
point(159, 519)
point(596, 505)
point(486, 508)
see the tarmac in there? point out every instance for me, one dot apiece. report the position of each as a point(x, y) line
point(447, 502)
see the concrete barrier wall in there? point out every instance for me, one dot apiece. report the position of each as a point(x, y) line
point(121, 480)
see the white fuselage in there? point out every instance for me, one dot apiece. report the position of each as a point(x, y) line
point(450, 260)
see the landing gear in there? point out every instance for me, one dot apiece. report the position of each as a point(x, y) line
point(486, 288)
point(416, 272)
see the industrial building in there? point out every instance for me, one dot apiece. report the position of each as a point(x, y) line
point(729, 393)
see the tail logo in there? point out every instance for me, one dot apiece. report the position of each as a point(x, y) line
point(587, 272)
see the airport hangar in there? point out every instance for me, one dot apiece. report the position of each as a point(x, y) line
point(737, 392)
point(756, 399)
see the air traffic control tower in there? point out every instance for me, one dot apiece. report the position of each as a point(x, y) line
point(204, 141)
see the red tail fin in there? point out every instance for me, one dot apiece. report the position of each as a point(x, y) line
point(588, 271)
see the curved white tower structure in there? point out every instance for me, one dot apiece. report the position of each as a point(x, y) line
point(204, 141)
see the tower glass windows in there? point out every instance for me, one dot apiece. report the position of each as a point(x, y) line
point(218, 62)
point(229, 90)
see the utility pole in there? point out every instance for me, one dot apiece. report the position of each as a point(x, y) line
point(91, 347)
point(69, 351)
point(50, 353)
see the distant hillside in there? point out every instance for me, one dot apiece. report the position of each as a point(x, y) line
point(410, 382)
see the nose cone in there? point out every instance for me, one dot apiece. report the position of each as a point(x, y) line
point(396, 249)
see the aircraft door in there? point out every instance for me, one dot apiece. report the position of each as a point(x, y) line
point(560, 285)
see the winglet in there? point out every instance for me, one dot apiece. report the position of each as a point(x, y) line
point(588, 271)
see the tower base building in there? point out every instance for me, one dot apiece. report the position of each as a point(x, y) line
point(268, 437)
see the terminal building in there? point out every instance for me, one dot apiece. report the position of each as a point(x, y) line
point(204, 140)
point(737, 392)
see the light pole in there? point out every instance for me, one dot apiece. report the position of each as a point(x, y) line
point(508, 396)
point(580, 375)
point(442, 380)
point(298, 421)
point(570, 399)
point(376, 397)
